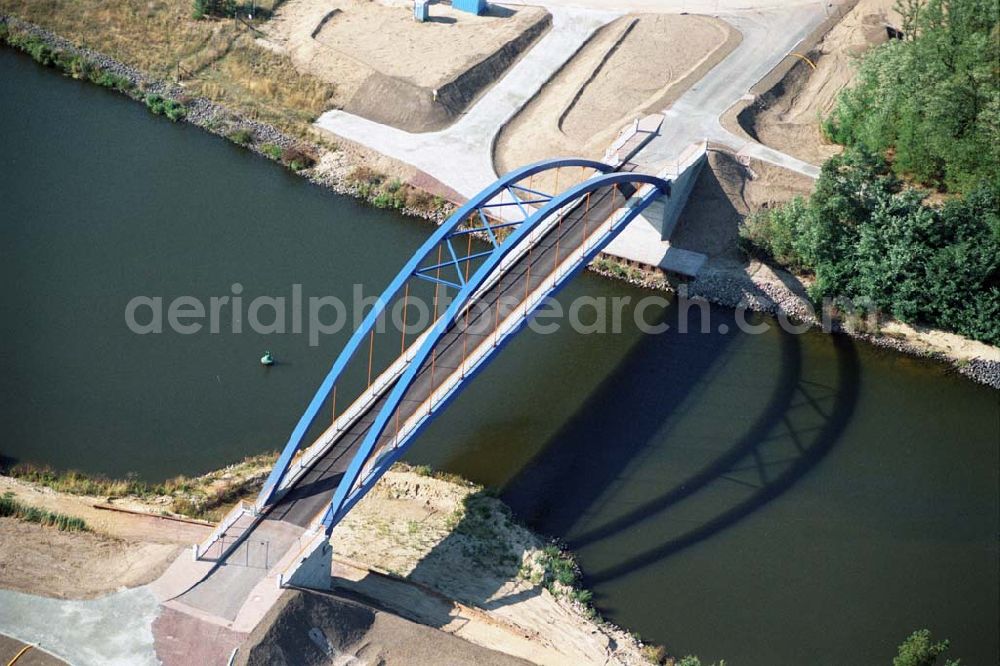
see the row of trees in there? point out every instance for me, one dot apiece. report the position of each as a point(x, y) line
point(923, 111)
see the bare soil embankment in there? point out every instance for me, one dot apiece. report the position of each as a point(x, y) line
point(791, 103)
point(723, 195)
point(132, 539)
point(635, 65)
point(389, 68)
point(315, 629)
point(448, 541)
point(75, 565)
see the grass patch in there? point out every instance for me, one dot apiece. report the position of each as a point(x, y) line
point(72, 482)
point(219, 59)
point(72, 64)
point(383, 192)
point(12, 508)
point(619, 270)
point(207, 496)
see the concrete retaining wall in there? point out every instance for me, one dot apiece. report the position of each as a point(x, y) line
point(646, 241)
point(683, 174)
point(460, 92)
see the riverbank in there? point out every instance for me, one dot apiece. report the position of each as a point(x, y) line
point(351, 171)
point(759, 287)
point(432, 548)
point(343, 168)
point(725, 193)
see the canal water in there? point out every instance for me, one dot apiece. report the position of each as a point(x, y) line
point(766, 498)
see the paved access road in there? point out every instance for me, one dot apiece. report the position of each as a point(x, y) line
point(461, 156)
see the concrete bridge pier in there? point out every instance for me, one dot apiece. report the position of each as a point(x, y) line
point(313, 571)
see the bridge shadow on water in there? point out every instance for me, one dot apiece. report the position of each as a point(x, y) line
point(629, 420)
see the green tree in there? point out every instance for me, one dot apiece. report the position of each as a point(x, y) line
point(909, 10)
point(932, 100)
point(919, 650)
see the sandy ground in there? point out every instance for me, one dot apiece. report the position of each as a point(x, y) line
point(418, 529)
point(787, 116)
point(637, 64)
point(379, 58)
point(75, 565)
point(116, 524)
point(122, 550)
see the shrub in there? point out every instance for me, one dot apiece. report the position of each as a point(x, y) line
point(155, 103)
point(170, 108)
point(868, 238)
point(31, 44)
point(557, 567)
point(919, 650)
point(775, 234)
point(420, 200)
point(175, 110)
point(241, 136)
point(11, 508)
point(40, 51)
point(297, 158)
point(271, 150)
point(203, 8)
point(654, 654)
point(110, 80)
point(365, 175)
point(384, 199)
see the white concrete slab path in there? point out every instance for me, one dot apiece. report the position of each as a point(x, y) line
point(461, 156)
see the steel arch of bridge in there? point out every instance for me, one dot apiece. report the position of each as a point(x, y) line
point(363, 470)
point(479, 205)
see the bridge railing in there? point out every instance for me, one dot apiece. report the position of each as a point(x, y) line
point(502, 330)
point(240, 510)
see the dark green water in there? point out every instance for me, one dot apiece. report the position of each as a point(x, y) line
point(768, 499)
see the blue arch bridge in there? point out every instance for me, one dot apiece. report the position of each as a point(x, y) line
point(485, 270)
